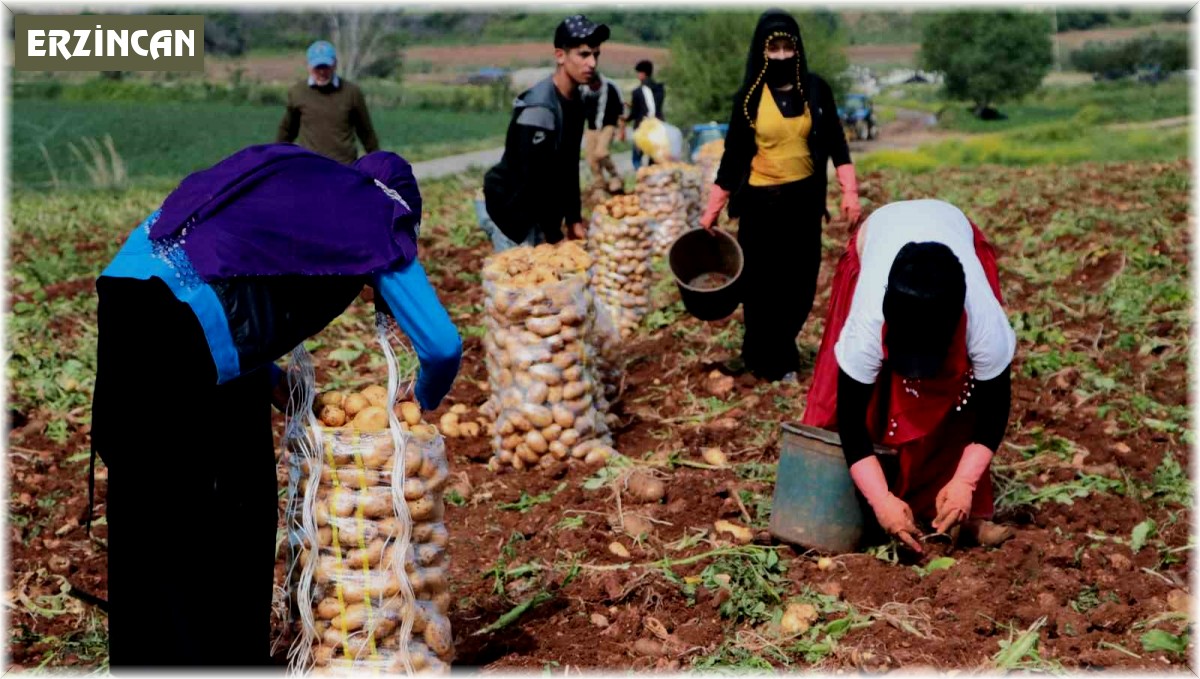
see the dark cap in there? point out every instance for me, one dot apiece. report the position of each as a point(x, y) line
point(922, 307)
point(578, 30)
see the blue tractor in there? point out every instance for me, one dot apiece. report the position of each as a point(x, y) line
point(858, 117)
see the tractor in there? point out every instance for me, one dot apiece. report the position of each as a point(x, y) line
point(858, 118)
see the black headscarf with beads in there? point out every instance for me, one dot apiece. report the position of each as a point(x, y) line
point(773, 23)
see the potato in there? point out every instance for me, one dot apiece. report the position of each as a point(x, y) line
point(575, 390)
point(646, 488)
point(371, 418)
point(424, 432)
point(562, 416)
point(538, 416)
point(375, 395)
point(331, 398)
point(439, 638)
point(449, 425)
point(536, 442)
point(421, 509)
point(410, 412)
point(354, 404)
point(469, 429)
point(371, 555)
point(537, 393)
point(547, 374)
point(569, 437)
point(332, 416)
point(544, 327)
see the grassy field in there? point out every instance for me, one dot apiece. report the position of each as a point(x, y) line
point(169, 140)
point(1111, 102)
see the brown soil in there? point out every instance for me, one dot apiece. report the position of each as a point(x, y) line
point(959, 615)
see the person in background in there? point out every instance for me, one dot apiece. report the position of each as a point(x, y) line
point(534, 188)
point(325, 112)
point(603, 110)
point(241, 263)
point(916, 357)
point(783, 131)
point(646, 101)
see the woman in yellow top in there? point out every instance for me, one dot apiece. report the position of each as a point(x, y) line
point(782, 133)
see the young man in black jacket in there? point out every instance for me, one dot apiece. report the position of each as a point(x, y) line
point(645, 102)
point(535, 187)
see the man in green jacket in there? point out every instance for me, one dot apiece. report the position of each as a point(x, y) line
point(325, 112)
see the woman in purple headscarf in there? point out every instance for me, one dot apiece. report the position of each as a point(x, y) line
point(241, 263)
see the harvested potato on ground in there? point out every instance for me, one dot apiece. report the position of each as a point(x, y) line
point(646, 488)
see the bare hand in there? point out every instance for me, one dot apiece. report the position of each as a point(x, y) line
point(953, 504)
point(896, 517)
point(577, 231)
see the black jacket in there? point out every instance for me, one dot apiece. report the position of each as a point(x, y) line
point(825, 140)
point(638, 108)
point(527, 189)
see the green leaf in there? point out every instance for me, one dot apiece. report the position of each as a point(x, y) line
point(1161, 640)
point(1142, 532)
point(938, 564)
point(344, 355)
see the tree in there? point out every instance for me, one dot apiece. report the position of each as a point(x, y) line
point(367, 43)
point(988, 57)
point(708, 60)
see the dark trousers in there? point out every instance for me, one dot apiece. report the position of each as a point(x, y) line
point(192, 501)
point(780, 234)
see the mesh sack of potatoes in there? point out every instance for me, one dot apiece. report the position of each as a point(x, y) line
point(369, 584)
point(619, 243)
point(691, 182)
point(546, 400)
point(708, 160)
point(660, 193)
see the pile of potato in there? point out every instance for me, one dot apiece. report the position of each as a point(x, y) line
point(349, 576)
point(546, 400)
point(619, 242)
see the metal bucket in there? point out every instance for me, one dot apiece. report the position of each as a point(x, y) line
point(815, 504)
point(698, 252)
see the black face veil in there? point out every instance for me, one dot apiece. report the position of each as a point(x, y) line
point(774, 23)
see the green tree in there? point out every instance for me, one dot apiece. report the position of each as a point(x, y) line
point(988, 57)
point(708, 60)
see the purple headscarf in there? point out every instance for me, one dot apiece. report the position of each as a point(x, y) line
point(279, 209)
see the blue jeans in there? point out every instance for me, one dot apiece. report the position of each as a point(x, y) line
point(501, 242)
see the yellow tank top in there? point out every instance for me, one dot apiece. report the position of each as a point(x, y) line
point(783, 154)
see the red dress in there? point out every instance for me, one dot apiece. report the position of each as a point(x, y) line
point(929, 421)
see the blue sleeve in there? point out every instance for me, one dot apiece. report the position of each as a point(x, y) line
point(411, 300)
